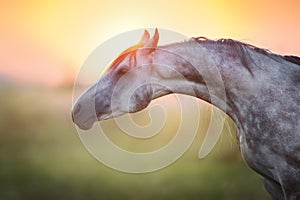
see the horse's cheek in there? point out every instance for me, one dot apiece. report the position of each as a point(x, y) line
point(141, 98)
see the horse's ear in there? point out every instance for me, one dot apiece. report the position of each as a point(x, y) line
point(145, 38)
point(152, 43)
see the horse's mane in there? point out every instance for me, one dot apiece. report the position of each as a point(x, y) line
point(239, 46)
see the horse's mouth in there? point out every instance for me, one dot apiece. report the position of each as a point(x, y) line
point(88, 124)
point(106, 116)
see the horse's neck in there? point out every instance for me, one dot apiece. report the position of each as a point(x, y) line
point(198, 70)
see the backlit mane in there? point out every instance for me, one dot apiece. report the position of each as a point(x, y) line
point(123, 55)
point(240, 46)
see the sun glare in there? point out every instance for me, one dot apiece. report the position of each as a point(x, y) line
point(69, 31)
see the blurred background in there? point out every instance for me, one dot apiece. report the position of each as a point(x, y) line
point(42, 47)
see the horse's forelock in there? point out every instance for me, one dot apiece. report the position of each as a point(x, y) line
point(123, 55)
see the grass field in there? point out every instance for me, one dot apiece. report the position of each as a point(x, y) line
point(42, 157)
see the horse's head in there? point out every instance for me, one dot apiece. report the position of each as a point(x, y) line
point(123, 88)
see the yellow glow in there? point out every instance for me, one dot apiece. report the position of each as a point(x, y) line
point(65, 32)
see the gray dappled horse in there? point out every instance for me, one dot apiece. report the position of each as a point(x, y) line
point(259, 90)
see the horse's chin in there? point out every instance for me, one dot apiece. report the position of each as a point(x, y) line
point(88, 124)
point(110, 115)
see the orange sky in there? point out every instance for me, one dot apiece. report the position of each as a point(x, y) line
point(45, 42)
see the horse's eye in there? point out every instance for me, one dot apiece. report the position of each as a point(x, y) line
point(122, 70)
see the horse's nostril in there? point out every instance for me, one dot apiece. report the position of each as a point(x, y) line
point(77, 109)
point(72, 117)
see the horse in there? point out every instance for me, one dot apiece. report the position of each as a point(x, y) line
point(258, 89)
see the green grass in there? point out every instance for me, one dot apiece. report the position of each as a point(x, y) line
point(41, 157)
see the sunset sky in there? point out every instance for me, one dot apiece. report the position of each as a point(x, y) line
point(46, 42)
